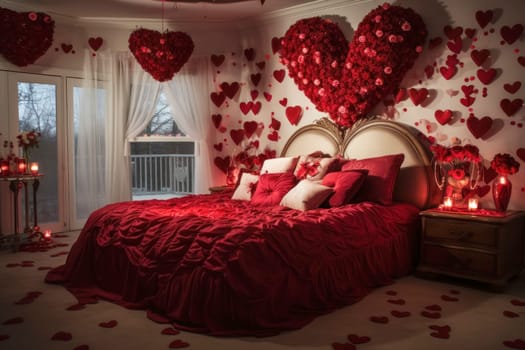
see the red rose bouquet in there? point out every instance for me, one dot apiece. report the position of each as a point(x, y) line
point(504, 164)
point(456, 168)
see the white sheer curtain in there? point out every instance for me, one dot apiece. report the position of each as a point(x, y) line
point(188, 95)
point(117, 100)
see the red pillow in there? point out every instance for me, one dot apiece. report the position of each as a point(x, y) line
point(271, 188)
point(346, 184)
point(382, 174)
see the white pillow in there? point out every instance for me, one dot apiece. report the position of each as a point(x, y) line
point(246, 186)
point(306, 195)
point(279, 165)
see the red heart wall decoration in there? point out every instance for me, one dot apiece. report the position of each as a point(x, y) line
point(222, 163)
point(217, 60)
point(160, 54)
point(230, 90)
point(26, 36)
point(483, 17)
point(216, 118)
point(486, 76)
point(418, 96)
point(347, 81)
point(479, 56)
point(443, 117)
point(479, 127)
point(279, 75)
point(237, 135)
point(95, 43)
point(511, 107)
point(521, 153)
point(218, 98)
point(294, 114)
point(512, 88)
point(249, 128)
point(511, 34)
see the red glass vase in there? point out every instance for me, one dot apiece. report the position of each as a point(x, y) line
point(501, 191)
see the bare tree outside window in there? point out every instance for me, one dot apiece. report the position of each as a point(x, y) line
point(162, 158)
point(37, 111)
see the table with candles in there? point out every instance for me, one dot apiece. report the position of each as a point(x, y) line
point(19, 180)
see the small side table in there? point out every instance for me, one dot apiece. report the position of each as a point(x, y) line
point(16, 183)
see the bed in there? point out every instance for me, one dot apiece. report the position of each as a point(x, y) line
point(224, 267)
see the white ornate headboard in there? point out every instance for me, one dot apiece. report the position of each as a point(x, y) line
point(371, 138)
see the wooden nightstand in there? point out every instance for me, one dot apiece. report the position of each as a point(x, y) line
point(487, 249)
point(220, 189)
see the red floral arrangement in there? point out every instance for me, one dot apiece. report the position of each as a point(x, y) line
point(504, 164)
point(26, 36)
point(347, 81)
point(456, 168)
point(247, 160)
point(250, 160)
point(160, 54)
point(457, 153)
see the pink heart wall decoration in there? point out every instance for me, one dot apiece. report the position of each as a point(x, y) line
point(160, 54)
point(347, 81)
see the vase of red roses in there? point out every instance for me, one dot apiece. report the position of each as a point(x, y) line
point(504, 164)
point(456, 171)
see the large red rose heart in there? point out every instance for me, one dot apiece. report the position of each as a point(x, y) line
point(347, 81)
point(26, 36)
point(160, 54)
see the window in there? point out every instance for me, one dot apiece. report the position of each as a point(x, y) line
point(162, 158)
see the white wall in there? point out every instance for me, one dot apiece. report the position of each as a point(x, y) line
point(505, 136)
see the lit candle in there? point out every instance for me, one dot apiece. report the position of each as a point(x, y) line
point(34, 168)
point(4, 167)
point(473, 204)
point(47, 234)
point(447, 203)
point(22, 166)
point(502, 180)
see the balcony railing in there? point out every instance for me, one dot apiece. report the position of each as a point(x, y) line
point(162, 174)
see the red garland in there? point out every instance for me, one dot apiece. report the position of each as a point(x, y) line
point(160, 54)
point(347, 81)
point(26, 36)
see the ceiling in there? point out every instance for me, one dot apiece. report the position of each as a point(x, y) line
point(185, 10)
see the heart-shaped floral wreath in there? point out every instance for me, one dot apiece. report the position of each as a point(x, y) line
point(347, 81)
point(26, 36)
point(160, 54)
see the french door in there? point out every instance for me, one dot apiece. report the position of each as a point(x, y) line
point(36, 102)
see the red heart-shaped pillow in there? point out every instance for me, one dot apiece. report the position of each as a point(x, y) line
point(160, 54)
point(347, 81)
point(26, 36)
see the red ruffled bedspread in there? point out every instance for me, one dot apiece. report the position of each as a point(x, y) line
point(224, 267)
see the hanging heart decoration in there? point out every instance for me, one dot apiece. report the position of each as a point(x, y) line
point(160, 54)
point(348, 80)
point(26, 36)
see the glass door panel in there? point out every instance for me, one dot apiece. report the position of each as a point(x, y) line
point(36, 108)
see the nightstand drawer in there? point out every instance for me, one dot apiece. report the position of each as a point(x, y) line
point(467, 232)
point(460, 261)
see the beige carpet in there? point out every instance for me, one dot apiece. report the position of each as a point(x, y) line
point(419, 314)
